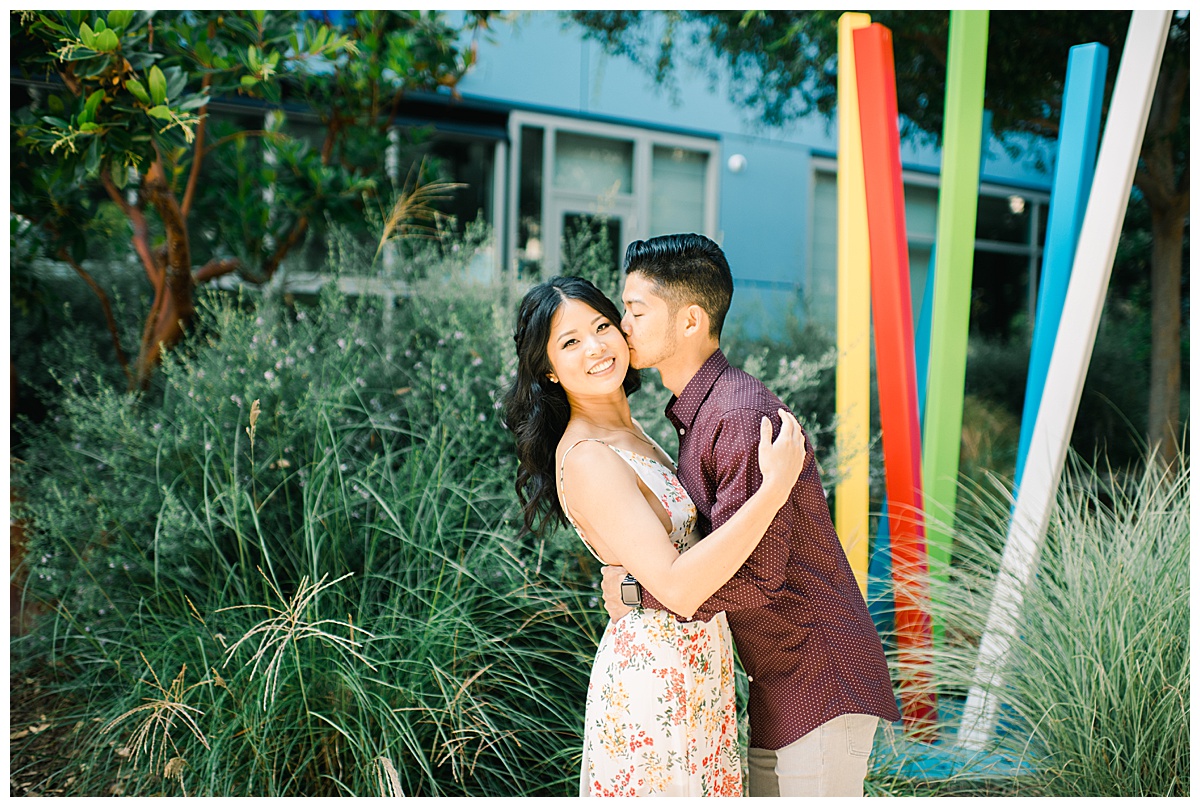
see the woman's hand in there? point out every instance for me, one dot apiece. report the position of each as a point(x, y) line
point(781, 461)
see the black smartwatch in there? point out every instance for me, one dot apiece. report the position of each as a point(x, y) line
point(631, 592)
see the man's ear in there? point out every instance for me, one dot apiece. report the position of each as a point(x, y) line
point(695, 320)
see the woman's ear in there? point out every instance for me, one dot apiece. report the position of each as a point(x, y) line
point(552, 377)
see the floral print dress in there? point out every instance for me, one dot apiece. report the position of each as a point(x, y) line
point(661, 718)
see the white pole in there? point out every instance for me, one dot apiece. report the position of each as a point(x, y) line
point(1126, 124)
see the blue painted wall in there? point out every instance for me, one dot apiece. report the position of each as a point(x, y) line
point(540, 60)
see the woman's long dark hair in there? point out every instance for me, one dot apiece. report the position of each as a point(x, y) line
point(536, 410)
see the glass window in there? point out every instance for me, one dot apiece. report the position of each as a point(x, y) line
point(920, 211)
point(999, 292)
point(677, 191)
point(1003, 218)
point(1001, 297)
point(590, 164)
point(821, 289)
point(635, 182)
point(920, 219)
point(529, 248)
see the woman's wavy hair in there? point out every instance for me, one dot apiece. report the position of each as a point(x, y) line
point(536, 410)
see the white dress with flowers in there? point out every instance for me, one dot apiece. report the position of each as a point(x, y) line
point(661, 718)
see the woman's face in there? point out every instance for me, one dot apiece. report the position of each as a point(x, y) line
point(587, 352)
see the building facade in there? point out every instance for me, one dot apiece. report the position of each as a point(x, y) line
point(550, 134)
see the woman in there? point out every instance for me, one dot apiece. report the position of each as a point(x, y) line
point(660, 715)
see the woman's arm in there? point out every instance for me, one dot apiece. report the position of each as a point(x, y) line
point(610, 509)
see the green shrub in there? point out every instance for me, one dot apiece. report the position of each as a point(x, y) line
point(348, 470)
point(1095, 689)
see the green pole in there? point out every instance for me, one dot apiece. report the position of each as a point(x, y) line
point(957, 202)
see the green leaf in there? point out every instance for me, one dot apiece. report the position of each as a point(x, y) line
point(176, 81)
point(195, 102)
point(249, 81)
point(92, 163)
point(56, 104)
point(158, 85)
point(107, 42)
point(87, 127)
point(87, 35)
point(93, 103)
point(57, 123)
point(52, 25)
point(161, 112)
point(139, 92)
point(140, 18)
point(100, 26)
point(120, 176)
point(119, 19)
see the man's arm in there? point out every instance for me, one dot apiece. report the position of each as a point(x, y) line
point(735, 458)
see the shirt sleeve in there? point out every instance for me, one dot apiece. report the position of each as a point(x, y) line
point(734, 458)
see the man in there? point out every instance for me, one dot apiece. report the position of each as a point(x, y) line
point(818, 679)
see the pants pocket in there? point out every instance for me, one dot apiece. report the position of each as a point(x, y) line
point(860, 734)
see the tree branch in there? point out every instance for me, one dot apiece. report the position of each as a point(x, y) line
point(216, 268)
point(197, 151)
point(141, 231)
point(239, 136)
point(294, 238)
point(111, 321)
point(178, 266)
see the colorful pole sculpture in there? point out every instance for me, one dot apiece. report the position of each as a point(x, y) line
point(957, 203)
point(1078, 138)
point(891, 303)
point(853, 496)
point(881, 554)
point(1090, 272)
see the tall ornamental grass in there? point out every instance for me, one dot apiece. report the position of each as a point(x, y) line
point(297, 572)
point(1095, 690)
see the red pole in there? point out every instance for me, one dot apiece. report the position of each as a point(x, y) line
point(896, 372)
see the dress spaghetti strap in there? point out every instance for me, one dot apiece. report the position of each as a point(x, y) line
point(562, 495)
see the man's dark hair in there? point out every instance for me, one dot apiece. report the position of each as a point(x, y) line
point(685, 268)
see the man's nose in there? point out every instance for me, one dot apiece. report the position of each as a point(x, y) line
point(627, 324)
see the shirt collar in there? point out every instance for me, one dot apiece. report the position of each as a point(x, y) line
point(683, 408)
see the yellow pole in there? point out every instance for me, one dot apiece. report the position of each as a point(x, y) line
point(852, 501)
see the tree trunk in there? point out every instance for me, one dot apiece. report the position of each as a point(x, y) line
point(1165, 278)
point(174, 301)
point(1163, 178)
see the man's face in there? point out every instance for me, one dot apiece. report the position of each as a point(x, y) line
point(648, 323)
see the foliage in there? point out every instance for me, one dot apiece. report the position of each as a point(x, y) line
point(1096, 689)
point(782, 64)
point(347, 476)
point(117, 105)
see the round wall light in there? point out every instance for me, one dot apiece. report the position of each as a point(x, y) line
point(737, 163)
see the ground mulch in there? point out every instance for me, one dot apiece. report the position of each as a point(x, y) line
point(42, 742)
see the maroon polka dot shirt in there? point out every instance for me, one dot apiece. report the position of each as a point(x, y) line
point(801, 627)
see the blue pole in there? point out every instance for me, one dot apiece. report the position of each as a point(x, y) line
point(1078, 137)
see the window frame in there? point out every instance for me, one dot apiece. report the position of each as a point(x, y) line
point(1035, 199)
point(633, 208)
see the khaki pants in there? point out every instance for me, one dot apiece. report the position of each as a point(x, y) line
point(831, 760)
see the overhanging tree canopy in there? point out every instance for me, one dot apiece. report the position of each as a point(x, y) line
point(116, 112)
